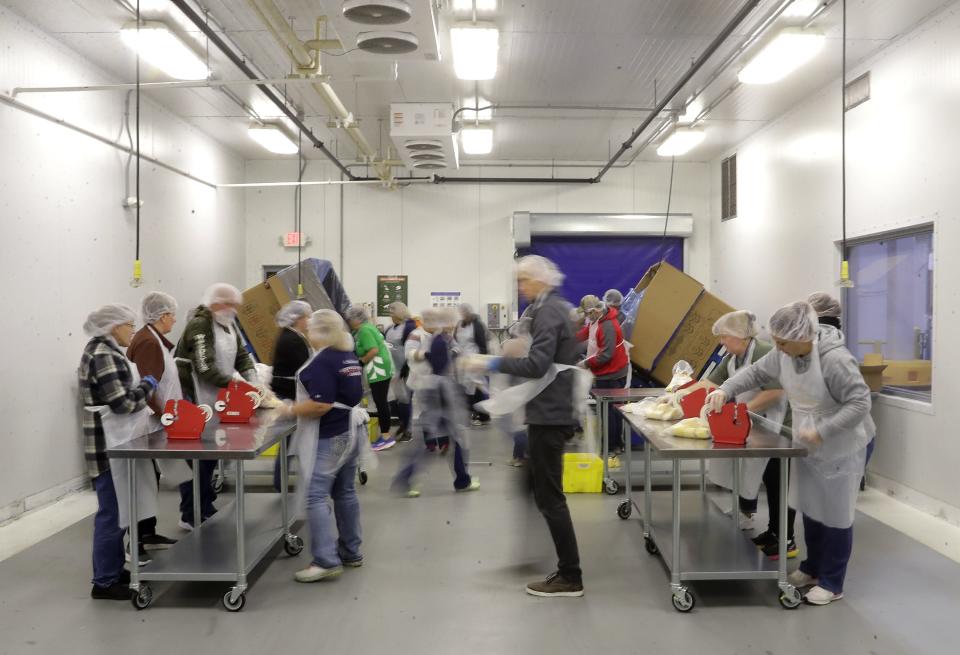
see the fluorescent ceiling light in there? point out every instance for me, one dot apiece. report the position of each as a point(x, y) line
point(681, 141)
point(477, 140)
point(475, 48)
point(273, 139)
point(801, 8)
point(467, 5)
point(472, 115)
point(690, 113)
point(790, 50)
point(163, 49)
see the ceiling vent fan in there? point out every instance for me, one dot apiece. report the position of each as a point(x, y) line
point(377, 12)
point(430, 165)
point(387, 42)
point(424, 144)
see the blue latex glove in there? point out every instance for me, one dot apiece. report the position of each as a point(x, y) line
point(493, 365)
point(152, 381)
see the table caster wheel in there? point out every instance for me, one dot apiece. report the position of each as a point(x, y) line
point(790, 600)
point(650, 546)
point(142, 599)
point(611, 487)
point(625, 509)
point(683, 600)
point(234, 605)
point(293, 544)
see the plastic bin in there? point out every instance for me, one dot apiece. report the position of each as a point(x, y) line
point(582, 473)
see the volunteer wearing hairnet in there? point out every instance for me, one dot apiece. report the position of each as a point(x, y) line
point(374, 354)
point(471, 338)
point(396, 336)
point(114, 398)
point(292, 350)
point(613, 299)
point(151, 351)
point(210, 353)
point(737, 332)
point(607, 359)
point(330, 435)
point(551, 415)
point(830, 403)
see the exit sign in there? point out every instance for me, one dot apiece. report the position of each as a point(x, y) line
point(293, 239)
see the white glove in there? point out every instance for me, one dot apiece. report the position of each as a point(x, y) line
point(665, 399)
point(716, 399)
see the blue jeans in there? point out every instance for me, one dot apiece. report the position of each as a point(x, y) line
point(828, 553)
point(107, 535)
point(332, 504)
point(520, 444)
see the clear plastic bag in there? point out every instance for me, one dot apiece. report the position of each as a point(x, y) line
point(682, 374)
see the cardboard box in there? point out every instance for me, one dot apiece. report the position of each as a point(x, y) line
point(693, 339)
point(873, 375)
point(667, 297)
point(907, 373)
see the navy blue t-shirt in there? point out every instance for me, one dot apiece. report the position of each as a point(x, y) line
point(334, 376)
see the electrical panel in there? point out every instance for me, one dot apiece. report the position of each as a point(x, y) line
point(496, 316)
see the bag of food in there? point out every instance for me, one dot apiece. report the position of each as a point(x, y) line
point(690, 428)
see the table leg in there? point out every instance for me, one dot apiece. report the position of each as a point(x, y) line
point(241, 534)
point(782, 528)
point(647, 488)
point(675, 559)
point(703, 477)
point(197, 518)
point(627, 460)
point(735, 512)
point(602, 429)
point(284, 485)
point(133, 529)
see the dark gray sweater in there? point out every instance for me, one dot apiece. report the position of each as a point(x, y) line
point(554, 341)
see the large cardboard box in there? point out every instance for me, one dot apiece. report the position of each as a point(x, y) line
point(693, 340)
point(667, 295)
point(907, 373)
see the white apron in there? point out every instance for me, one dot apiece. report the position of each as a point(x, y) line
point(720, 471)
point(306, 435)
point(472, 382)
point(174, 470)
point(119, 429)
point(825, 483)
point(225, 349)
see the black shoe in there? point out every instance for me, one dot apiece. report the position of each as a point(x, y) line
point(124, 577)
point(363, 477)
point(765, 539)
point(555, 586)
point(404, 436)
point(773, 550)
point(116, 591)
point(156, 542)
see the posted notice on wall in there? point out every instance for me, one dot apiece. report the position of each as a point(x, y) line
point(390, 289)
point(444, 298)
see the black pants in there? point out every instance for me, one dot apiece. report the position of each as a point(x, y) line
point(207, 494)
point(771, 482)
point(614, 418)
point(472, 399)
point(546, 467)
point(379, 391)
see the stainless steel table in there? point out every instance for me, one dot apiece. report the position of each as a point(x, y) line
point(230, 544)
point(714, 547)
point(604, 398)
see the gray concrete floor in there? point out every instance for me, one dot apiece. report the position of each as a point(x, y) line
point(445, 574)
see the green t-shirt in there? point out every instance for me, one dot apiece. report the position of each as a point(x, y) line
point(379, 368)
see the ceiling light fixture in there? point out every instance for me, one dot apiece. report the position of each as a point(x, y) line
point(790, 50)
point(273, 138)
point(801, 8)
point(693, 109)
point(163, 49)
point(475, 50)
point(681, 141)
point(467, 5)
point(477, 140)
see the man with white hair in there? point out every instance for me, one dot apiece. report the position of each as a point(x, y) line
point(550, 415)
point(210, 352)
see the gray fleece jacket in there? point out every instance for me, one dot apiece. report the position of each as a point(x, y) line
point(554, 341)
point(841, 372)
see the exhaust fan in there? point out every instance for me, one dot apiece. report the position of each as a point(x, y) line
point(387, 42)
point(377, 12)
point(427, 144)
point(427, 155)
point(431, 165)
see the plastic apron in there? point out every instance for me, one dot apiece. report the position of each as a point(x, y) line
point(119, 429)
point(225, 349)
point(306, 435)
point(174, 470)
point(720, 471)
point(472, 382)
point(393, 337)
point(824, 484)
point(593, 349)
point(512, 399)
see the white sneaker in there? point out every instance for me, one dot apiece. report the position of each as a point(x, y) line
point(474, 485)
point(183, 525)
point(800, 579)
point(820, 596)
point(746, 521)
point(313, 573)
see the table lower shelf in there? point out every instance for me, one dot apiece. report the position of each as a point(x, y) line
point(210, 552)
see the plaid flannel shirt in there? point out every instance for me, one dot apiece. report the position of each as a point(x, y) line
point(105, 379)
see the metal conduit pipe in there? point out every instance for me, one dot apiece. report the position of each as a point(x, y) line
point(215, 39)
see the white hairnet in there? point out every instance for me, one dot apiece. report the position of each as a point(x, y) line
point(357, 313)
point(741, 324)
point(613, 298)
point(326, 326)
point(825, 305)
point(540, 269)
point(589, 302)
point(466, 309)
point(292, 312)
point(399, 310)
point(156, 304)
point(795, 322)
point(439, 318)
point(102, 321)
point(221, 292)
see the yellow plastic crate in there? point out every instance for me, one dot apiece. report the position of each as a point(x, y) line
point(582, 473)
point(271, 452)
